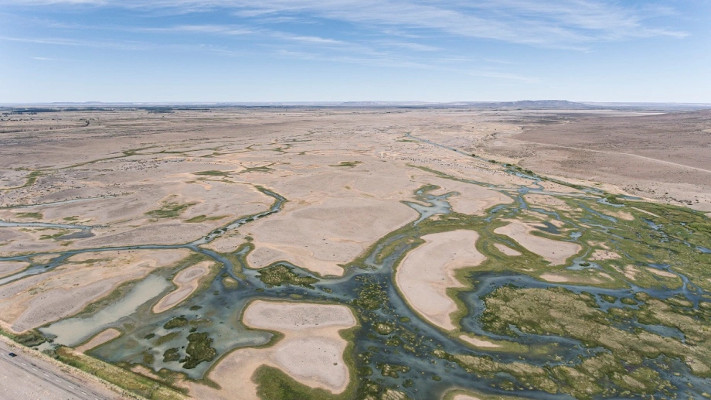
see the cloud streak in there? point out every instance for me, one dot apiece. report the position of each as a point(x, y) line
point(556, 23)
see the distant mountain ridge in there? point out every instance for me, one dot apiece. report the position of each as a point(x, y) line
point(477, 105)
point(528, 105)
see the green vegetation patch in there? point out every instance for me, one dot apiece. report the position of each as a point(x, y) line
point(560, 312)
point(280, 274)
point(127, 380)
point(32, 215)
point(212, 172)
point(276, 385)
point(392, 370)
point(263, 168)
point(166, 338)
point(54, 236)
point(384, 328)
point(170, 209)
point(372, 295)
point(30, 339)
point(177, 322)
point(172, 354)
point(29, 180)
point(203, 218)
point(600, 376)
point(32, 178)
point(349, 164)
point(199, 349)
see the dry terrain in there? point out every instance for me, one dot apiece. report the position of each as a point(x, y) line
point(663, 156)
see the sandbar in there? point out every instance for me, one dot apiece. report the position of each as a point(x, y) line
point(478, 342)
point(187, 282)
point(310, 351)
point(101, 338)
point(464, 397)
point(662, 273)
point(601, 255)
point(554, 251)
point(428, 271)
point(554, 278)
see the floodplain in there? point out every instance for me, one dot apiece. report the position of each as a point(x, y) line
point(360, 253)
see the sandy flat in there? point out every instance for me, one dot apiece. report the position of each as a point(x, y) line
point(311, 350)
point(662, 273)
point(122, 219)
point(321, 235)
point(478, 342)
point(624, 215)
point(554, 251)
point(101, 338)
point(664, 156)
point(554, 278)
point(464, 397)
point(11, 267)
point(428, 271)
point(186, 281)
point(630, 272)
point(600, 255)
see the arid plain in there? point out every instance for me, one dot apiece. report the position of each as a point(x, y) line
point(384, 253)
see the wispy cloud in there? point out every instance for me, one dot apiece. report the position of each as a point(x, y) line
point(234, 30)
point(409, 46)
point(307, 39)
point(559, 23)
point(380, 33)
point(57, 41)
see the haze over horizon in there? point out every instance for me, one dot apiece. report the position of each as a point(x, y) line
point(347, 50)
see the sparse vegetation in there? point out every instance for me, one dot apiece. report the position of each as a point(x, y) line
point(212, 172)
point(31, 215)
point(280, 274)
point(170, 209)
point(203, 218)
point(349, 164)
point(127, 380)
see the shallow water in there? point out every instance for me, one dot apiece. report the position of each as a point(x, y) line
point(436, 205)
point(72, 331)
point(42, 225)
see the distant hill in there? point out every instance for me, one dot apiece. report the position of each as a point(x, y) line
point(527, 105)
point(476, 105)
point(482, 105)
point(652, 106)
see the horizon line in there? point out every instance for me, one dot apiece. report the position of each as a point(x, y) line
point(340, 102)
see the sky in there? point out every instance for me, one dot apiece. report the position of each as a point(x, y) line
point(354, 50)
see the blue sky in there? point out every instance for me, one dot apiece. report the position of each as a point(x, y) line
point(341, 50)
